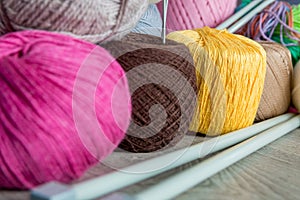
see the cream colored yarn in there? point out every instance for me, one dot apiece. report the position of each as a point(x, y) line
point(296, 86)
point(154, 1)
point(92, 20)
point(276, 97)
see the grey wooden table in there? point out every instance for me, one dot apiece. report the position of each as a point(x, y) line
point(273, 172)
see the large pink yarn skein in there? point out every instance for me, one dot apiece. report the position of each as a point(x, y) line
point(191, 14)
point(64, 105)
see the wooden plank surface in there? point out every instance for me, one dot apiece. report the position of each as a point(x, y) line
point(271, 173)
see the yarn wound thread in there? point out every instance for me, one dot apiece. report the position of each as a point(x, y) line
point(276, 97)
point(94, 21)
point(150, 23)
point(296, 86)
point(190, 14)
point(45, 107)
point(162, 82)
point(154, 1)
point(230, 71)
point(279, 22)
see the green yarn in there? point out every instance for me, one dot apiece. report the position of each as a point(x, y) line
point(242, 5)
point(296, 15)
point(295, 50)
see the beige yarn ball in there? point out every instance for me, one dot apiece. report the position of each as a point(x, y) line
point(154, 1)
point(296, 86)
point(93, 20)
point(276, 95)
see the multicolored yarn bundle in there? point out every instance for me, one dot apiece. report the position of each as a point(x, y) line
point(276, 96)
point(150, 23)
point(279, 22)
point(162, 82)
point(64, 105)
point(230, 76)
point(190, 14)
point(93, 20)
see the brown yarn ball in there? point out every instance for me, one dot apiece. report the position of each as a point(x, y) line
point(276, 96)
point(157, 75)
point(92, 20)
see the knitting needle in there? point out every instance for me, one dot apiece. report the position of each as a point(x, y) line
point(239, 14)
point(108, 183)
point(168, 189)
point(164, 28)
point(249, 16)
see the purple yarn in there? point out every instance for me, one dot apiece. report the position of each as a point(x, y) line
point(276, 17)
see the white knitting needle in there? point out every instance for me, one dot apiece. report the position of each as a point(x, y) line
point(164, 28)
point(238, 15)
point(118, 180)
point(114, 181)
point(183, 181)
point(249, 16)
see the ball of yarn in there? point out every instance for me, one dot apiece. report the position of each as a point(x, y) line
point(230, 75)
point(93, 20)
point(162, 82)
point(276, 95)
point(190, 14)
point(154, 1)
point(296, 86)
point(59, 98)
point(150, 23)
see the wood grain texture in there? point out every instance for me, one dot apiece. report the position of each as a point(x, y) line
point(270, 173)
point(273, 172)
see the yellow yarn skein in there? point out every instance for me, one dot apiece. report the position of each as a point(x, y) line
point(230, 74)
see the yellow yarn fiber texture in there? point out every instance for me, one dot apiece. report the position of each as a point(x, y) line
point(230, 73)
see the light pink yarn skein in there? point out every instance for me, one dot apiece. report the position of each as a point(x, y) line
point(191, 14)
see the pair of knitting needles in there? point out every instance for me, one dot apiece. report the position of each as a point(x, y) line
point(246, 141)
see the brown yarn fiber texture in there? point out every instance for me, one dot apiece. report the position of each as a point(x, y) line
point(163, 90)
point(93, 20)
point(276, 95)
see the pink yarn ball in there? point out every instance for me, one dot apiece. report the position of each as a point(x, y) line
point(64, 105)
point(191, 14)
